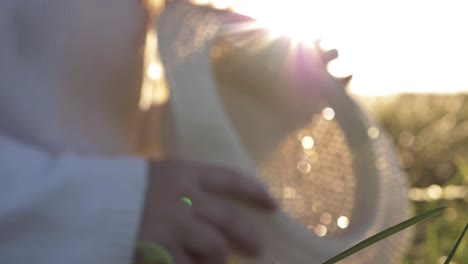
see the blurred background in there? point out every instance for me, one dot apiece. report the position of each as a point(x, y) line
point(409, 61)
point(431, 133)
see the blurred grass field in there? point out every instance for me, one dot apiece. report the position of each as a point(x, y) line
point(431, 134)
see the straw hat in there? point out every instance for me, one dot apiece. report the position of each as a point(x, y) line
point(242, 102)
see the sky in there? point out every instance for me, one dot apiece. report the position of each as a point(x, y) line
point(388, 46)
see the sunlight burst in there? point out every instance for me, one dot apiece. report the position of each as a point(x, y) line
point(294, 18)
point(388, 46)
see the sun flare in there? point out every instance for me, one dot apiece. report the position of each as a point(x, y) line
point(388, 46)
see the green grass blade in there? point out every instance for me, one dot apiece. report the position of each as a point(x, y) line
point(384, 234)
point(455, 247)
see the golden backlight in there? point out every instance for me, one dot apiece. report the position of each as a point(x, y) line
point(388, 46)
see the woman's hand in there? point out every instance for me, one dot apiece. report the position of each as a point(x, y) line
point(205, 231)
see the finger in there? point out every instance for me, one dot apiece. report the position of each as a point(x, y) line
point(229, 220)
point(227, 182)
point(204, 242)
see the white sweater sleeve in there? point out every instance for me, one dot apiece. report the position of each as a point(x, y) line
point(67, 209)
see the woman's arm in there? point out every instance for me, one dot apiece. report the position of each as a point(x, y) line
point(68, 209)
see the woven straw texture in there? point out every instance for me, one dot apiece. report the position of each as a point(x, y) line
point(328, 163)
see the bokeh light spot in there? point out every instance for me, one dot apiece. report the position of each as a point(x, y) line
point(321, 230)
point(342, 222)
point(326, 218)
point(304, 166)
point(373, 132)
point(155, 71)
point(434, 192)
point(328, 113)
point(289, 193)
point(317, 207)
point(307, 142)
point(302, 134)
point(406, 139)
